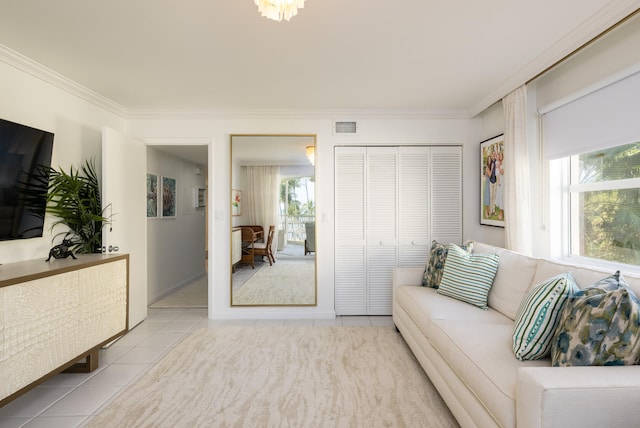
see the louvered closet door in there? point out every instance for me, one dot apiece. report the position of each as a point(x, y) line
point(390, 203)
point(413, 205)
point(381, 219)
point(350, 273)
point(446, 194)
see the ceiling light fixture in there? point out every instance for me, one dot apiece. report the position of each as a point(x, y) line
point(311, 154)
point(278, 9)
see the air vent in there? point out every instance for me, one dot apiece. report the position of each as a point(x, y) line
point(346, 128)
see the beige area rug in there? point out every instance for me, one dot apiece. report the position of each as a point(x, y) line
point(286, 282)
point(283, 377)
point(192, 295)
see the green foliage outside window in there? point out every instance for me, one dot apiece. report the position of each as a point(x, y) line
point(610, 219)
point(289, 198)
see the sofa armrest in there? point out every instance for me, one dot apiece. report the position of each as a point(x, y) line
point(407, 276)
point(553, 397)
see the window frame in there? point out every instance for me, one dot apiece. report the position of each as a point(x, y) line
point(566, 193)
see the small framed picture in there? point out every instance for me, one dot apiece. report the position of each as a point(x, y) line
point(152, 195)
point(169, 197)
point(492, 169)
point(236, 202)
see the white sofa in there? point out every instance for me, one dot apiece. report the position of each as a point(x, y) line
point(467, 353)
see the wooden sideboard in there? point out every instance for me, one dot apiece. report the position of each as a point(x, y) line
point(55, 316)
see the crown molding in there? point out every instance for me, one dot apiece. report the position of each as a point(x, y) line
point(35, 69)
point(600, 23)
point(299, 114)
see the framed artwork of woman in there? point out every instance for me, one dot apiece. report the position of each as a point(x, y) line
point(492, 181)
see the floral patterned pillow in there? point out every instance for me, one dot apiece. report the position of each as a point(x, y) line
point(600, 326)
point(435, 265)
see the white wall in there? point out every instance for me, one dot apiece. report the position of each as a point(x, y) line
point(77, 125)
point(371, 132)
point(491, 124)
point(175, 246)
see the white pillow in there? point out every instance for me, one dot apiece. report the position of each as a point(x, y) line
point(468, 277)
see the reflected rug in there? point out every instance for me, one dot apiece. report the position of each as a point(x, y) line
point(283, 377)
point(286, 282)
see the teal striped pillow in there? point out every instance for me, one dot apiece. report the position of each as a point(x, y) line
point(538, 316)
point(468, 277)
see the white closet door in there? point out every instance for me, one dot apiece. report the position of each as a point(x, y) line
point(446, 194)
point(381, 260)
point(381, 189)
point(382, 226)
point(350, 273)
point(390, 203)
point(413, 205)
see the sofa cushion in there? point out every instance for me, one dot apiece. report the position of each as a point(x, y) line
point(424, 305)
point(435, 265)
point(468, 277)
point(539, 316)
point(480, 354)
point(600, 326)
point(512, 281)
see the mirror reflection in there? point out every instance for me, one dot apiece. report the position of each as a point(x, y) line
point(273, 249)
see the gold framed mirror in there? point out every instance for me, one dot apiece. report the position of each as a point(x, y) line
point(273, 224)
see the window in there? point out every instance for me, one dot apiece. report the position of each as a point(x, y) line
point(604, 204)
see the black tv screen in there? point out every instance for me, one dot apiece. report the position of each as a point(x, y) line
point(24, 151)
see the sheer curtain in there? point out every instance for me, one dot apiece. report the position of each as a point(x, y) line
point(263, 196)
point(517, 199)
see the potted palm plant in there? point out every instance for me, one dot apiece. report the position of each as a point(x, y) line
point(74, 199)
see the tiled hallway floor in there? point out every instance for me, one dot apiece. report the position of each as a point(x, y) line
point(71, 399)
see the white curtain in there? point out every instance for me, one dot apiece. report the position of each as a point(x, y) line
point(263, 196)
point(517, 199)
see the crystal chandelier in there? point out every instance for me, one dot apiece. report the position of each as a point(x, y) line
point(278, 9)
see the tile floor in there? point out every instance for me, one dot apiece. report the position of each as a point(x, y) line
point(71, 399)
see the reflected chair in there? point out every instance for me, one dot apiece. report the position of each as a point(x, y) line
point(310, 241)
point(248, 237)
point(264, 248)
point(257, 230)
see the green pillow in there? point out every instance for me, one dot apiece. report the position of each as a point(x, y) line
point(435, 265)
point(538, 316)
point(600, 326)
point(468, 277)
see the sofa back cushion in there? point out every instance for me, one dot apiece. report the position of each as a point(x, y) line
point(584, 276)
point(512, 281)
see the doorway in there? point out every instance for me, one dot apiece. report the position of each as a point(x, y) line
point(177, 243)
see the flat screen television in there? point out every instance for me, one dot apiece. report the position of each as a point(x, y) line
point(24, 151)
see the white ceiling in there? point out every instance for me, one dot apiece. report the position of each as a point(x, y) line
point(341, 55)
